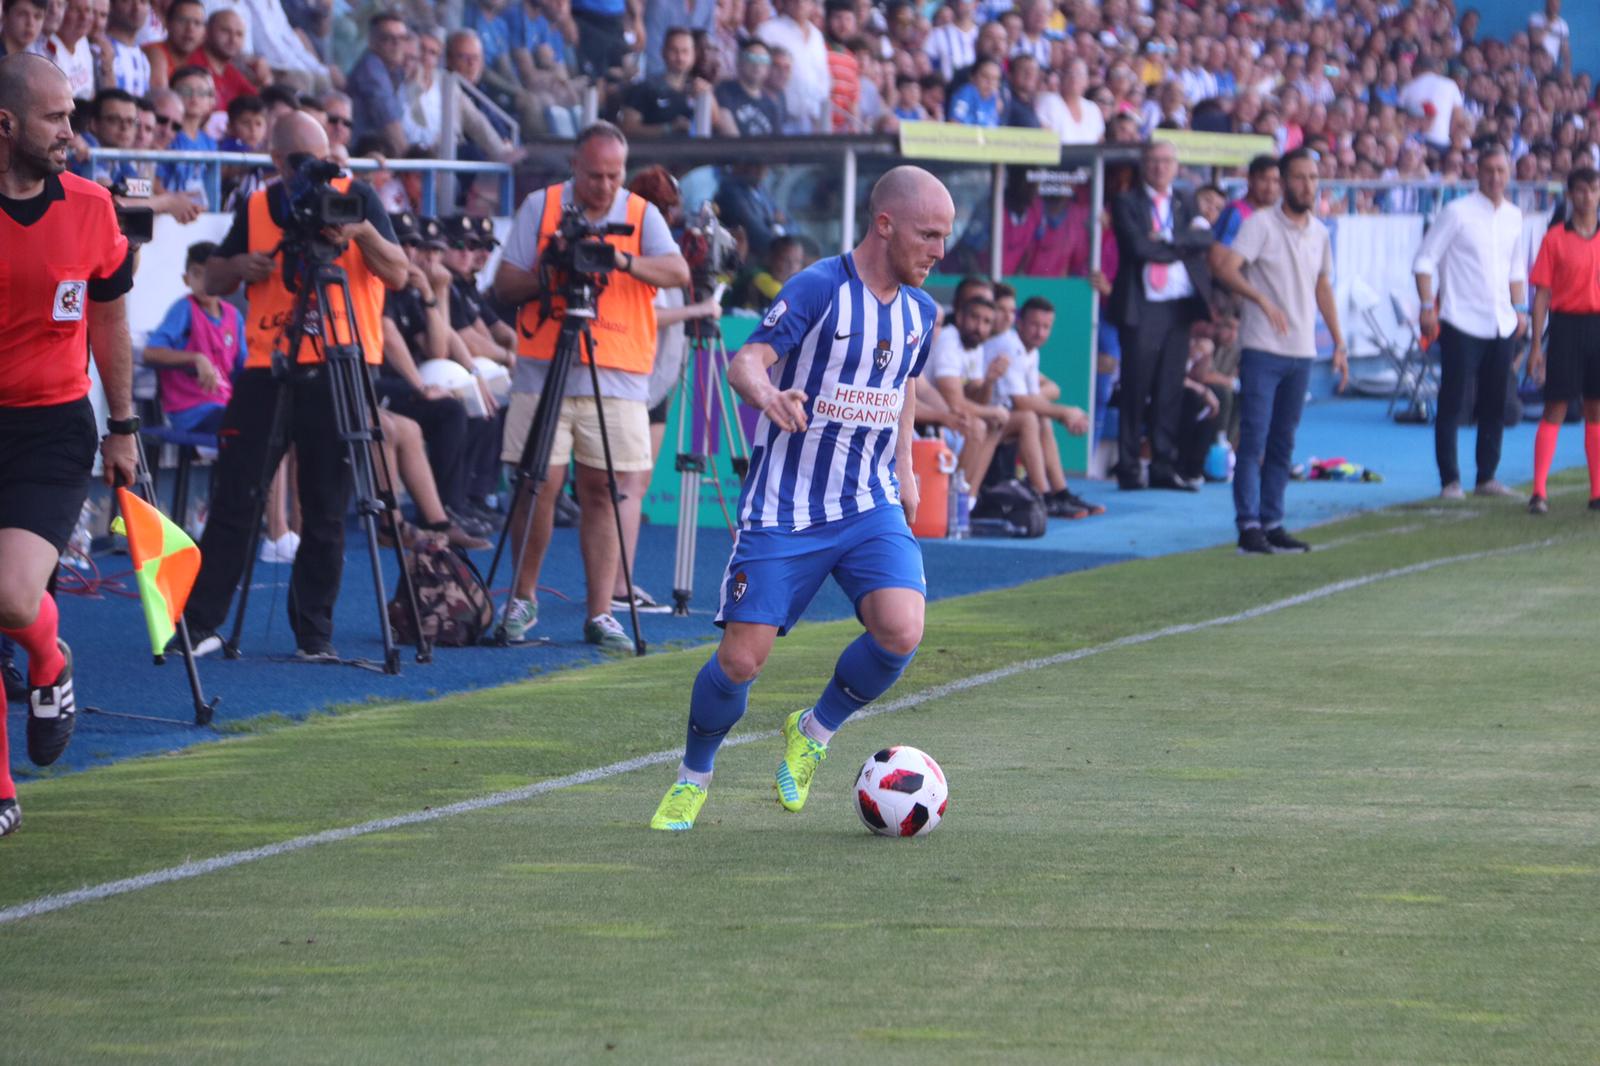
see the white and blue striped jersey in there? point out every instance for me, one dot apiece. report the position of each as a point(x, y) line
point(853, 357)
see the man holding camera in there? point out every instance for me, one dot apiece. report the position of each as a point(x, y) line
point(624, 328)
point(253, 252)
point(70, 295)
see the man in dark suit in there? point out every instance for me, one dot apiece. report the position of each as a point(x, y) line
point(1162, 279)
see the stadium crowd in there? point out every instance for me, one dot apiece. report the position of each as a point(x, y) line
point(1380, 91)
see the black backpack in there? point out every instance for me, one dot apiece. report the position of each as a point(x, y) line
point(1009, 509)
point(452, 599)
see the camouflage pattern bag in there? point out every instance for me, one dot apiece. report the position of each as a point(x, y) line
point(452, 599)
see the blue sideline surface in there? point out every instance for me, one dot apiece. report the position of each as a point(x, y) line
point(114, 669)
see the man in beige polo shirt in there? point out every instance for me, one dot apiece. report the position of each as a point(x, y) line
point(1281, 263)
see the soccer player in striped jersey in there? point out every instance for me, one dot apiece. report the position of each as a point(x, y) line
point(830, 371)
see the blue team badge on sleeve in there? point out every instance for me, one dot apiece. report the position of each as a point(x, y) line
point(777, 311)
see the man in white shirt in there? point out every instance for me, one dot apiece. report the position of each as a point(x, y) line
point(956, 367)
point(1430, 89)
point(806, 94)
point(1073, 117)
point(69, 49)
point(1556, 31)
point(1473, 252)
point(1033, 400)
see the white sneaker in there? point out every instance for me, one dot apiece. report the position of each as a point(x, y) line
point(269, 551)
point(1493, 488)
point(1452, 491)
point(288, 545)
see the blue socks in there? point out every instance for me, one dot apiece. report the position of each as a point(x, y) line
point(865, 672)
point(716, 704)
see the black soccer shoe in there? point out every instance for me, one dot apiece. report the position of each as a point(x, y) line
point(52, 712)
point(1281, 541)
point(1088, 505)
point(1059, 505)
point(1253, 541)
point(10, 817)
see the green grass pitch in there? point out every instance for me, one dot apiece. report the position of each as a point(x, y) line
point(1362, 829)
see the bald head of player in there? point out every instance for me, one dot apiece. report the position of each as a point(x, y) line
point(35, 122)
point(912, 216)
point(297, 134)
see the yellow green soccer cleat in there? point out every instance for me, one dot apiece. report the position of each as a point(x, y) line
point(801, 757)
point(679, 807)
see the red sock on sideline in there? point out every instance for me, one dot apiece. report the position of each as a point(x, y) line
point(1544, 453)
point(1591, 449)
point(8, 787)
point(39, 640)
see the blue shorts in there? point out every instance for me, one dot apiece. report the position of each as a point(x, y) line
point(773, 574)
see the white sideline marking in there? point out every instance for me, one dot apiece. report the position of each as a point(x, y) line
point(91, 893)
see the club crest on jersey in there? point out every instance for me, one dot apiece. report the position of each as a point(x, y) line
point(881, 357)
point(777, 311)
point(740, 586)
point(69, 301)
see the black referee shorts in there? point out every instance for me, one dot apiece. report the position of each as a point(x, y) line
point(46, 460)
point(1572, 365)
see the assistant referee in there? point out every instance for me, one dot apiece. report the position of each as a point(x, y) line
point(64, 269)
point(1566, 280)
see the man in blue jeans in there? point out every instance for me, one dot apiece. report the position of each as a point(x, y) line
point(1281, 263)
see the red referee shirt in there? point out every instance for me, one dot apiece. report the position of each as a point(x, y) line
point(58, 251)
point(1569, 266)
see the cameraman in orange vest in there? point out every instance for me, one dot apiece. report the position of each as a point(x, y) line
point(624, 330)
point(252, 253)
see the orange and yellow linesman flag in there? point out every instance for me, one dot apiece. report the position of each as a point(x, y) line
point(165, 563)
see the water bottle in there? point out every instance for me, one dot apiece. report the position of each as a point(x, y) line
point(961, 494)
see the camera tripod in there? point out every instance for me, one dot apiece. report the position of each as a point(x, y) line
point(532, 467)
point(331, 322)
point(703, 394)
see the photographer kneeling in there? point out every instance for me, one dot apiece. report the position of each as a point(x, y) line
point(641, 261)
point(254, 252)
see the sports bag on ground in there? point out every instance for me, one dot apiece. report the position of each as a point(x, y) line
point(452, 599)
point(1009, 509)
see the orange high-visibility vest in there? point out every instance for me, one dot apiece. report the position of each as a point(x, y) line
point(272, 304)
point(625, 313)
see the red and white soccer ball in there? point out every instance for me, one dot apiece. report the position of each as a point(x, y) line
point(901, 792)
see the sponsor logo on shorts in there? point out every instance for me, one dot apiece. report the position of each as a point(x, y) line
point(69, 301)
point(777, 311)
point(741, 585)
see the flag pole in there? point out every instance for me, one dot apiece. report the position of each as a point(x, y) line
point(204, 711)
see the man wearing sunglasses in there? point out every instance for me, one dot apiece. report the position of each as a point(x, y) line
point(745, 107)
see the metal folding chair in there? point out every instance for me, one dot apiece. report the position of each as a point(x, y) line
point(1417, 369)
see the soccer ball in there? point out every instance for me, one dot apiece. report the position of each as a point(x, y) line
point(901, 792)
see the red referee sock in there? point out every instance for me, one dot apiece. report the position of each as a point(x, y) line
point(1591, 449)
point(8, 787)
point(1544, 453)
point(38, 639)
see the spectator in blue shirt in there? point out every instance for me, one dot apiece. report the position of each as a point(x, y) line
point(977, 103)
point(741, 201)
point(375, 83)
point(194, 86)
